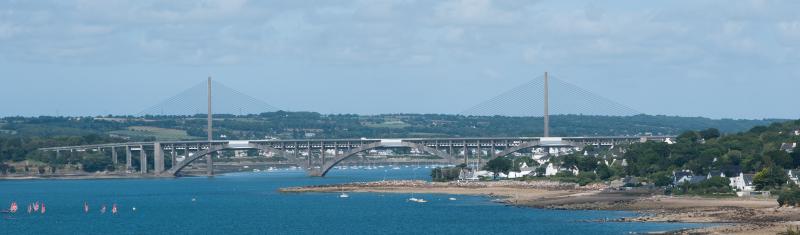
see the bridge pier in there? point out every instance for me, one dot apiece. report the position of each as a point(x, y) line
point(172, 155)
point(128, 159)
point(479, 154)
point(158, 158)
point(142, 160)
point(210, 162)
point(322, 153)
point(466, 154)
point(308, 145)
point(114, 158)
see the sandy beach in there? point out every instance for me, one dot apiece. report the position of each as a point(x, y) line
point(737, 215)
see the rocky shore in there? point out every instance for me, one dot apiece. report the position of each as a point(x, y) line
point(734, 215)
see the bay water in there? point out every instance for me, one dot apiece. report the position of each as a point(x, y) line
point(249, 203)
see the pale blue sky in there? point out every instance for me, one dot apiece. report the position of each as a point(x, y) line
point(737, 59)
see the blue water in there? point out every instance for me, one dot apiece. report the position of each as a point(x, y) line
point(248, 203)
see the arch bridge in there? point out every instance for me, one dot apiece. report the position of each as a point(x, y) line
point(319, 156)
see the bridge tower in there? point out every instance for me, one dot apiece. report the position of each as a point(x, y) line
point(209, 157)
point(546, 108)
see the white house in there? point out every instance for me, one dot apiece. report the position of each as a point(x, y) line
point(553, 170)
point(523, 171)
point(788, 147)
point(682, 177)
point(743, 182)
point(793, 175)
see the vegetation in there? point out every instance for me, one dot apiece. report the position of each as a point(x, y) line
point(499, 165)
point(445, 174)
point(769, 178)
point(298, 125)
point(713, 186)
point(789, 197)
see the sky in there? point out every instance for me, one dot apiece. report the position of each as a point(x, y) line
point(719, 59)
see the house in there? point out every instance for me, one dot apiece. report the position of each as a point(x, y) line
point(797, 132)
point(788, 147)
point(743, 182)
point(793, 175)
point(524, 170)
point(553, 170)
point(716, 173)
point(541, 159)
point(682, 177)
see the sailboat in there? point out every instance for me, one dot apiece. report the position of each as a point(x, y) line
point(103, 209)
point(85, 207)
point(413, 199)
point(343, 195)
point(43, 208)
point(114, 208)
point(13, 208)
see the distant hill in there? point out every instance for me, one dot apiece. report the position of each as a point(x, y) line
point(299, 125)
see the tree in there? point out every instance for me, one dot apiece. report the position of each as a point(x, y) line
point(94, 162)
point(710, 133)
point(445, 174)
point(497, 165)
point(4, 168)
point(689, 137)
point(770, 178)
point(661, 178)
point(779, 158)
point(604, 172)
point(795, 157)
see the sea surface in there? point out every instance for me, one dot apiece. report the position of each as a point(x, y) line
point(248, 203)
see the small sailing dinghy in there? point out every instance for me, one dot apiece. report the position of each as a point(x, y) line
point(12, 209)
point(343, 194)
point(85, 207)
point(114, 208)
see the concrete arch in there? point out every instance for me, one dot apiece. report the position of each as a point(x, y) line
point(526, 145)
point(216, 148)
point(197, 155)
point(323, 170)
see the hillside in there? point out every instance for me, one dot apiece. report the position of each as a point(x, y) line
point(299, 125)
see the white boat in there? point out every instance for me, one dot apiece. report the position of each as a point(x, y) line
point(256, 170)
point(413, 199)
point(395, 168)
point(451, 199)
point(421, 200)
point(343, 195)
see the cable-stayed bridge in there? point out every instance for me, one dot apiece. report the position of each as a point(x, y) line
point(318, 156)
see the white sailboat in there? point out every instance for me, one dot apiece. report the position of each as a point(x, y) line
point(413, 199)
point(343, 195)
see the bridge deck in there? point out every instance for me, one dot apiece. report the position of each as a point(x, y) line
point(316, 142)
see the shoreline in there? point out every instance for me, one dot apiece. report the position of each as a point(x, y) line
point(733, 215)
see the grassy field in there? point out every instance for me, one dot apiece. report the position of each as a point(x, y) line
point(157, 132)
